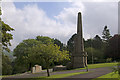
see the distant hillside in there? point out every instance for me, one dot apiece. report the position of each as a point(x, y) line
point(9, 54)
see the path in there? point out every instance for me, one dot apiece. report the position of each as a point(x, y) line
point(89, 76)
point(94, 74)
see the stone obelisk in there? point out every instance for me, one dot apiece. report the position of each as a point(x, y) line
point(78, 59)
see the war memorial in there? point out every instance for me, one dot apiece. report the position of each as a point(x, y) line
point(79, 56)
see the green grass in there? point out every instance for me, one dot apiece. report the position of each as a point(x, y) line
point(92, 66)
point(109, 76)
point(8, 75)
point(64, 75)
point(53, 77)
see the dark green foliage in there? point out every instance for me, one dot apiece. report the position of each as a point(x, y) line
point(95, 46)
point(108, 60)
point(106, 34)
point(113, 49)
point(62, 47)
point(58, 42)
point(28, 53)
point(116, 69)
point(19, 68)
point(70, 44)
point(96, 43)
point(92, 46)
point(0, 11)
point(94, 55)
point(23, 54)
point(49, 54)
point(88, 43)
point(9, 54)
point(45, 40)
point(6, 37)
point(6, 65)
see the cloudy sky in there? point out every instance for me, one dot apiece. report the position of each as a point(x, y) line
point(58, 19)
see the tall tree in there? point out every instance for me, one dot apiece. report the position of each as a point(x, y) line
point(113, 49)
point(70, 44)
point(22, 53)
point(6, 65)
point(5, 37)
point(30, 51)
point(45, 39)
point(94, 55)
point(88, 43)
point(25, 52)
point(106, 34)
point(94, 47)
point(58, 42)
point(4, 33)
point(97, 42)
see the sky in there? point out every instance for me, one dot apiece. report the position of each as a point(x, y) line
point(58, 19)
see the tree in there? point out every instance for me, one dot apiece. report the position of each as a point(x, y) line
point(26, 53)
point(58, 42)
point(95, 45)
point(6, 65)
point(88, 43)
point(94, 55)
point(45, 39)
point(106, 34)
point(116, 70)
point(23, 53)
point(6, 36)
point(49, 53)
point(97, 42)
point(113, 48)
point(70, 44)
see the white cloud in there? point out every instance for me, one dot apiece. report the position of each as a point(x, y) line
point(59, 0)
point(98, 15)
point(69, 16)
point(32, 21)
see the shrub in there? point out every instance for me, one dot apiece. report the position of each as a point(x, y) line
point(116, 69)
point(109, 60)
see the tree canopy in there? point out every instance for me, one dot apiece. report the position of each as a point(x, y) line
point(49, 53)
point(5, 37)
point(113, 49)
point(106, 34)
point(70, 44)
point(4, 33)
point(41, 50)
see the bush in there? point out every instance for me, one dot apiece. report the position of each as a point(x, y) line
point(116, 69)
point(6, 65)
point(108, 60)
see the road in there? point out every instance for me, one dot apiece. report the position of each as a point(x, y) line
point(94, 73)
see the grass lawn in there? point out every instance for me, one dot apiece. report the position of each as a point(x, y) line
point(64, 75)
point(53, 77)
point(109, 76)
point(91, 66)
point(8, 75)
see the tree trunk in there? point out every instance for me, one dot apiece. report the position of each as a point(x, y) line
point(48, 73)
point(29, 67)
point(87, 68)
